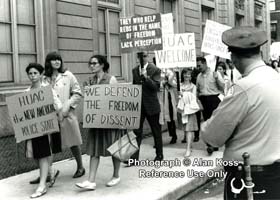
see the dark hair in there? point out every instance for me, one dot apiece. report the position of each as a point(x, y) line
point(228, 61)
point(48, 66)
point(184, 71)
point(201, 59)
point(101, 60)
point(223, 65)
point(247, 53)
point(37, 66)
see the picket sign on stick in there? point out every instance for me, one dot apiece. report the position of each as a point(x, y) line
point(140, 33)
point(112, 106)
point(274, 51)
point(212, 40)
point(32, 113)
point(178, 51)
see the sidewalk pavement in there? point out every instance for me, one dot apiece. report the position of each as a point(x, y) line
point(131, 185)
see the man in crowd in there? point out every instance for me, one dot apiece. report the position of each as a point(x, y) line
point(248, 119)
point(232, 72)
point(148, 75)
point(209, 86)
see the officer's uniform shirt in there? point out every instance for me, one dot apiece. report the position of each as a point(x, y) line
point(248, 119)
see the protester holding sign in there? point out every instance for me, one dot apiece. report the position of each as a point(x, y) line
point(168, 99)
point(221, 68)
point(148, 75)
point(41, 148)
point(100, 139)
point(67, 87)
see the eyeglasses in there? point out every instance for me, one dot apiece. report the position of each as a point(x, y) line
point(92, 63)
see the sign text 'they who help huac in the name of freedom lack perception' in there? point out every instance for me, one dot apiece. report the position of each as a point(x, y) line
point(140, 33)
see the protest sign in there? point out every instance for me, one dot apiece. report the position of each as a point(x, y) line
point(167, 24)
point(112, 106)
point(274, 51)
point(212, 40)
point(211, 61)
point(32, 113)
point(140, 33)
point(178, 51)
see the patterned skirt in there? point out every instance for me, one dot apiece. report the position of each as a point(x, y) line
point(191, 125)
point(100, 139)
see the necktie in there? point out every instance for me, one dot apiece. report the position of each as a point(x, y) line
point(231, 76)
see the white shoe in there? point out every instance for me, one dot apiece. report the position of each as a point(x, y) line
point(187, 154)
point(114, 181)
point(86, 185)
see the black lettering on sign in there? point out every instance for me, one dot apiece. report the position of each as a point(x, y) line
point(122, 121)
point(90, 118)
point(47, 125)
point(31, 98)
point(93, 104)
point(17, 119)
point(44, 110)
point(29, 114)
point(123, 105)
point(30, 129)
point(93, 91)
point(121, 91)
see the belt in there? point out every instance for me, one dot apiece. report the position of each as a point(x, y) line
point(264, 168)
point(257, 168)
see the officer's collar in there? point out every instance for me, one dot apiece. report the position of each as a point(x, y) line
point(253, 66)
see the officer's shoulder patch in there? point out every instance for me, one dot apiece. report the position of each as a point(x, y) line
point(230, 91)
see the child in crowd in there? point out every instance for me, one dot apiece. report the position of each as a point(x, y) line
point(188, 106)
point(41, 148)
point(168, 99)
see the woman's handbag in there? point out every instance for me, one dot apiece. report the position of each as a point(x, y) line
point(125, 147)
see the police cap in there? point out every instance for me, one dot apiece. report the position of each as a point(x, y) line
point(244, 37)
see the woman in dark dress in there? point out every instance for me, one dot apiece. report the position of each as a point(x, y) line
point(100, 139)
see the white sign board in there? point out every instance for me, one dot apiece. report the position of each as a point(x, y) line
point(275, 51)
point(212, 40)
point(211, 61)
point(167, 23)
point(32, 113)
point(112, 106)
point(178, 51)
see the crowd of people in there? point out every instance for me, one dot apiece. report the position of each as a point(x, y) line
point(225, 107)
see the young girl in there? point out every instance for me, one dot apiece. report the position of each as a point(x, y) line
point(188, 106)
point(42, 148)
point(221, 67)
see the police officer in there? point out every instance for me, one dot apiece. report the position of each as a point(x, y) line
point(248, 119)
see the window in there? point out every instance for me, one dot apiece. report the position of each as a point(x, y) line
point(272, 4)
point(20, 30)
point(239, 19)
point(111, 1)
point(258, 24)
point(166, 6)
point(273, 30)
point(206, 13)
point(108, 28)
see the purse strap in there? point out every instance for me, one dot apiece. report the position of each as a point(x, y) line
point(129, 139)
